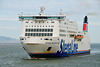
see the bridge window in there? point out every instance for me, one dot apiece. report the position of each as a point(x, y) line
point(52, 22)
point(52, 26)
point(27, 22)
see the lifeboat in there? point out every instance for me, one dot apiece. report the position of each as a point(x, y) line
point(78, 37)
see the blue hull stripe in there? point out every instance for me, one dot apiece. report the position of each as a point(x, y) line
point(53, 55)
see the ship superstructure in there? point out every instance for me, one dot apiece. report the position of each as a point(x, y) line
point(46, 36)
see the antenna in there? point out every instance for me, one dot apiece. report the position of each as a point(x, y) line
point(42, 10)
point(60, 11)
point(21, 13)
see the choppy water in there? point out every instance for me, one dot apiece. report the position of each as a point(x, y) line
point(13, 55)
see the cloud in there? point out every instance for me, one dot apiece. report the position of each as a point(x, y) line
point(95, 14)
point(8, 19)
point(92, 14)
point(94, 24)
point(12, 28)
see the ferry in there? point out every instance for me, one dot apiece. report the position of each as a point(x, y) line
point(53, 36)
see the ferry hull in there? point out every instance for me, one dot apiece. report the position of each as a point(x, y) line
point(58, 54)
point(54, 50)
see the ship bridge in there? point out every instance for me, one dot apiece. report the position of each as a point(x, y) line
point(42, 17)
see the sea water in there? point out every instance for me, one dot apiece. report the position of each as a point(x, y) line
point(13, 55)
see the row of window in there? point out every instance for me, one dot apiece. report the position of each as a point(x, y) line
point(38, 34)
point(71, 31)
point(39, 26)
point(39, 30)
point(62, 30)
point(63, 35)
point(39, 22)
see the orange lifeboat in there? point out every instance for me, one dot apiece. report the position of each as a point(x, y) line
point(78, 37)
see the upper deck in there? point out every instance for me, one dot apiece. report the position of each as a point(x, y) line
point(41, 17)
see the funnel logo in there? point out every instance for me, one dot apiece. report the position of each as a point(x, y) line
point(68, 48)
point(85, 27)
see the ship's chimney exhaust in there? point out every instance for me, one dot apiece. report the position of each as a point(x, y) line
point(85, 24)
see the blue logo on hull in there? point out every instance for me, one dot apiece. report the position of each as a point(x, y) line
point(68, 48)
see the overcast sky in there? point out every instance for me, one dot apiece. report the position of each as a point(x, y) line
point(75, 10)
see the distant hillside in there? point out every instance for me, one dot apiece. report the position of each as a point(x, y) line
point(4, 39)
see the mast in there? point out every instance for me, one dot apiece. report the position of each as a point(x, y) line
point(42, 10)
point(60, 11)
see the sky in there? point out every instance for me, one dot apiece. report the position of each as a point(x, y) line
point(74, 9)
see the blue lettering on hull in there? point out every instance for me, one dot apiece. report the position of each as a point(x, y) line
point(68, 48)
